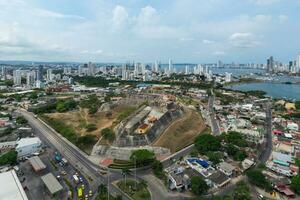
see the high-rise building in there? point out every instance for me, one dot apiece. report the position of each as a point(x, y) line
point(170, 70)
point(3, 72)
point(49, 75)
point(187, 70)
point(270, 65)
point(30, 78)
point(298, 63)
point(92, 69)
point(39, 74)
point(17, 76)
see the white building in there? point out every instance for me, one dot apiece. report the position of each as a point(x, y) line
point(30, 78)
point(17, 75)
point(49, 75)
point(11, 188)
point(292, 126)
point(28, 146)
point(228, 77)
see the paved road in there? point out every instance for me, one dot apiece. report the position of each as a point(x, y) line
point(214, 122)
point(268, 150)
point(75, 156)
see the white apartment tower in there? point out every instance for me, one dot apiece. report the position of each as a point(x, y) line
point(17, 76)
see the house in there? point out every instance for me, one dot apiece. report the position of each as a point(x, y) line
point(227, 169)
point(292, 126)
point(178, 180)
point(218, 179)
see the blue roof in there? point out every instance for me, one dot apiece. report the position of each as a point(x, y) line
point(203, 163)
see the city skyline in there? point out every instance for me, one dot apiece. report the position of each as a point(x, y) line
point(184, 31)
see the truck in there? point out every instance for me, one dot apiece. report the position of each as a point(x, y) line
point(76, 179)
point(57, 157)
point(79, 192)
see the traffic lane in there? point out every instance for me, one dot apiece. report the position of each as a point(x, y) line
point(44, 130)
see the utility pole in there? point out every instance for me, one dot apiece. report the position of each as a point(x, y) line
point(107, 183)
point(135, 171)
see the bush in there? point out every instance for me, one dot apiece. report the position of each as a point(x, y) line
point(86, 140)
point(142, 157)
point(198, 185)
point(108, 134)
point(90, 127)
point(157, 168)
point(296, 184)
point(21, 120)
point(257, 178)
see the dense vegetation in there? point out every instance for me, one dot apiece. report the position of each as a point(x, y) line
point(102, 194)
point(63, 106)
point(101, 82)
point(256, 177)
point(157, 168)
point(92, 103)
point(108, 134)
point(142, 157)
point(8, 158)
point(69, 133)
point(198, 185)
point(296, 184)
point(21, 120)
point(210, 145)
point(207, 142)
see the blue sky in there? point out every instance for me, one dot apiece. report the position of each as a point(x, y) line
point(195, 31)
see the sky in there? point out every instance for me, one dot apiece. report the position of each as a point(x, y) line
point(194, 31)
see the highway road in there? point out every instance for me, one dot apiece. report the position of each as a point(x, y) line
point(90, 169)
point(214, 122)
point(73, 155)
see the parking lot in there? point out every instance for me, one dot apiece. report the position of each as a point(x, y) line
point(35, 188)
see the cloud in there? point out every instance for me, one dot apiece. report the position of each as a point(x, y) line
point(264, 2)
point(120, 16)
point(147, 16)
point(51, 14)
point(283, 18)
point(218, 53)
point(243, 40)
point(205, 41)
point(186, 39)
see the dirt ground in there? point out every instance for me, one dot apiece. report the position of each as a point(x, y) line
point(182, 131)
point(80, 118)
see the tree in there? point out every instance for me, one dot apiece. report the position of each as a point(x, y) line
point(21, 120)
point(295, 184)
point(214, 157)
point(206, 142)
point(242, 192)
point(102, 189)
point(198, 185)
point(8, 158)
point(60, 107)
point(108, 134)
point(85, 140)
point(90, 127)
point(257, 178)
point(142, 157)
point(297, 104)
point(234, 138)
point(157, 168)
